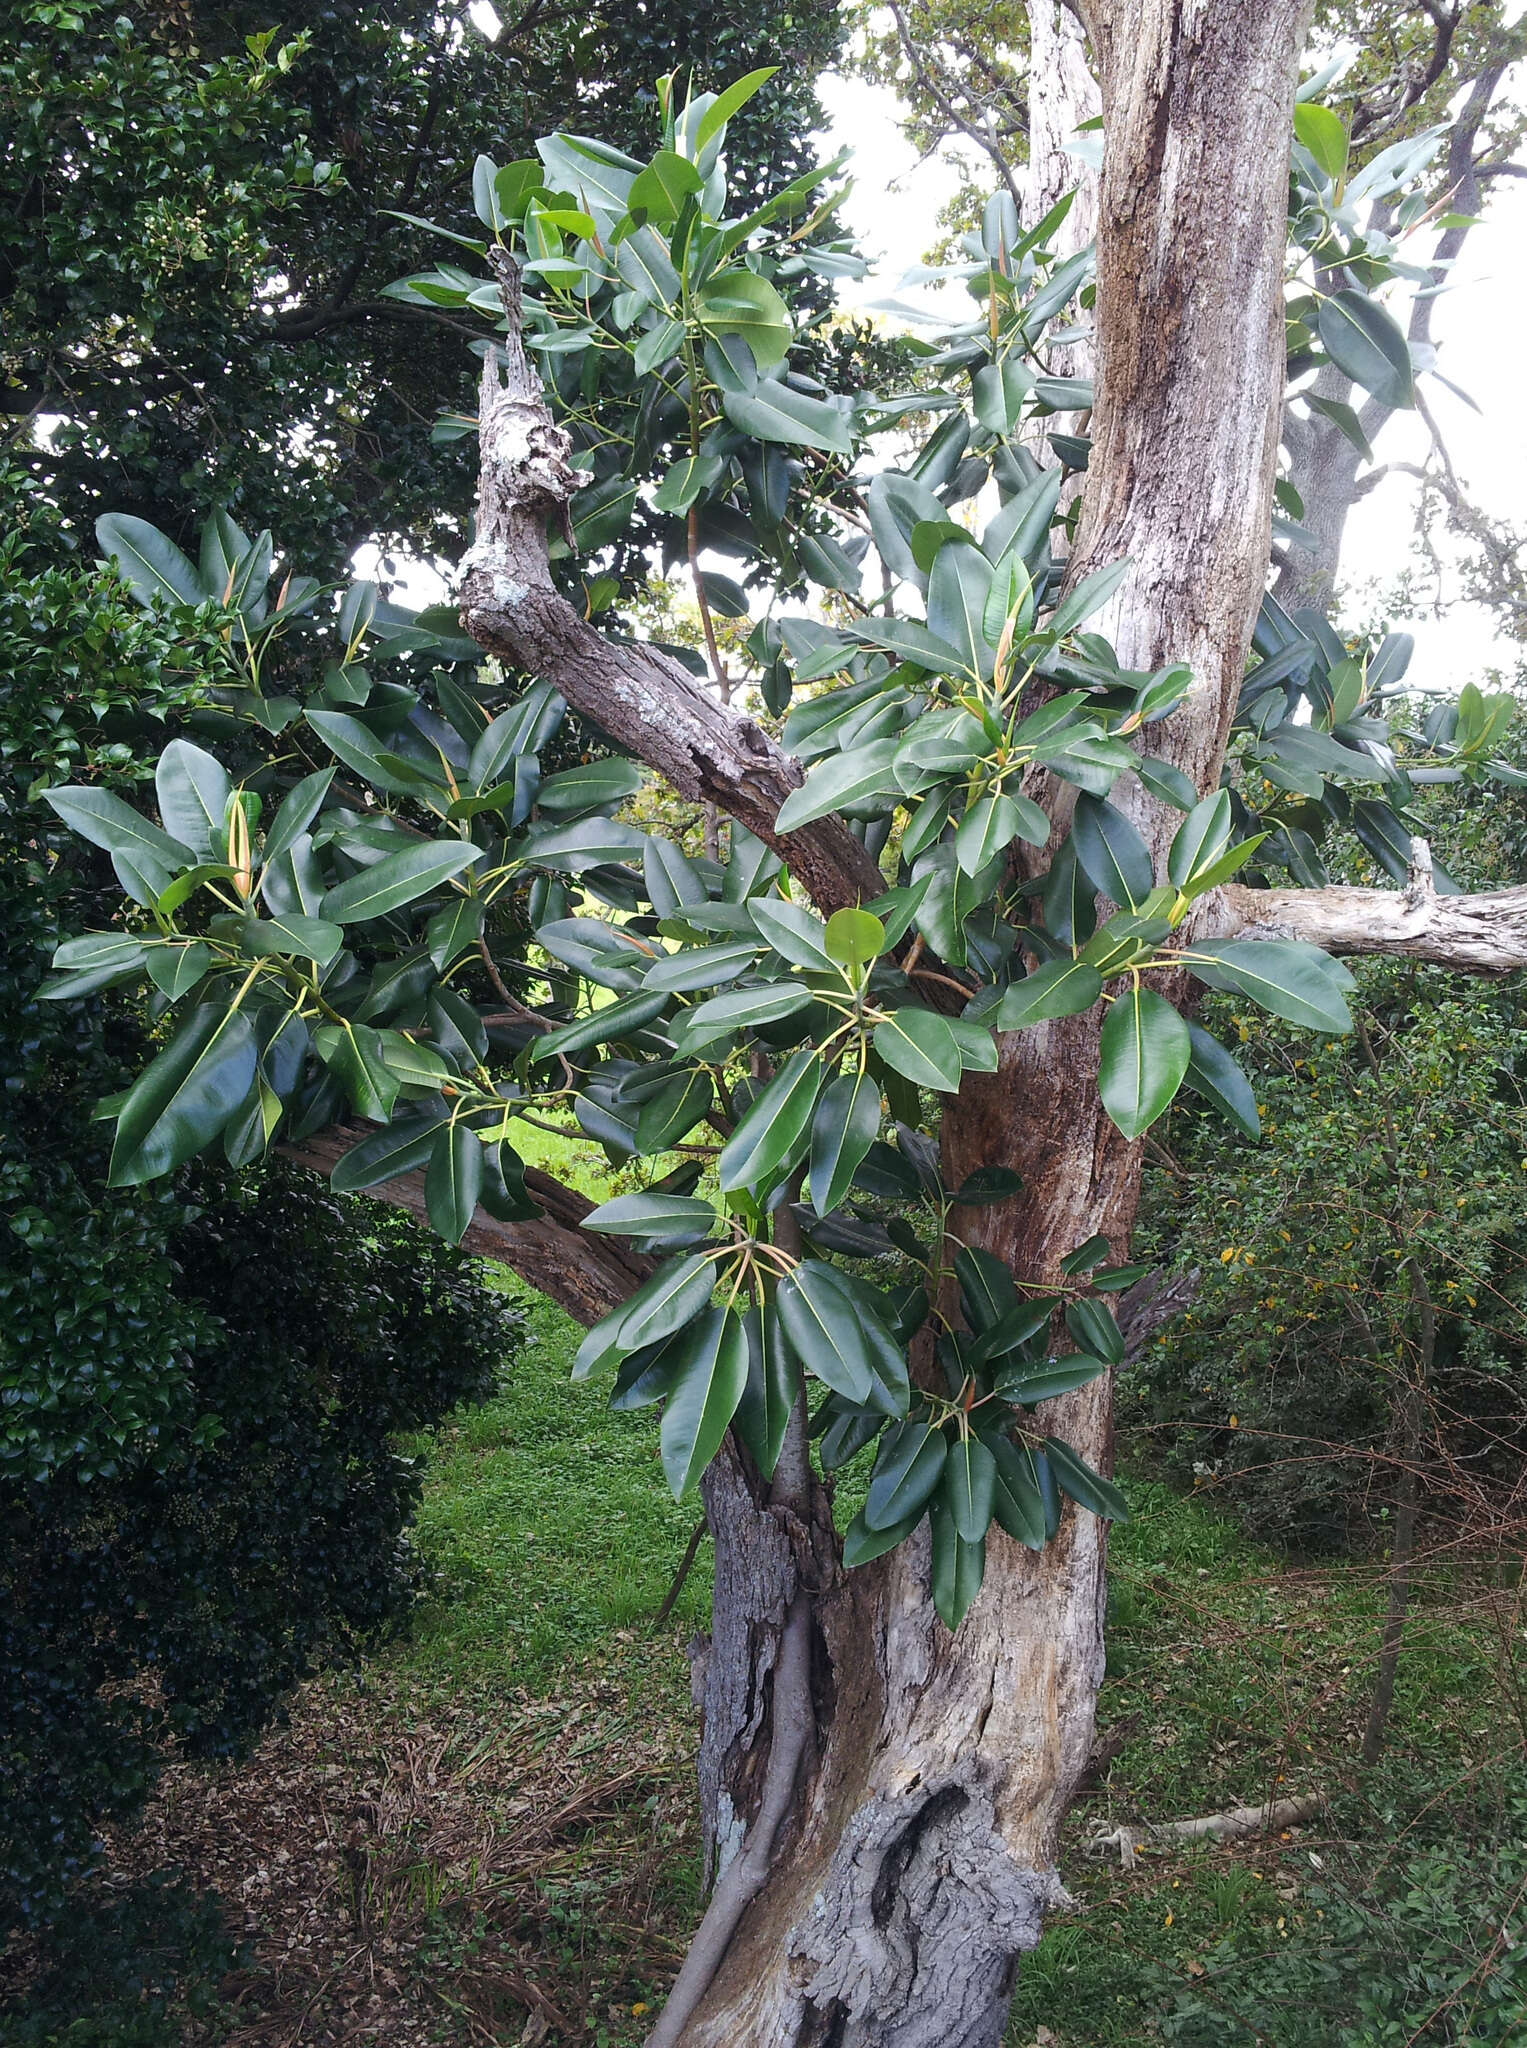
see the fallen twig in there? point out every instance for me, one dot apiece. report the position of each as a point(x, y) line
point(1230, 1825)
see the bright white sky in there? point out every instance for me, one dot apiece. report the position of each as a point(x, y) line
point(1479, 328)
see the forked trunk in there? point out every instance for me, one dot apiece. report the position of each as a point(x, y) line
point(919, 1860)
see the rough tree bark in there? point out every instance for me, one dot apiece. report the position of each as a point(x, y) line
point(922, 1859)
point(883, 1799)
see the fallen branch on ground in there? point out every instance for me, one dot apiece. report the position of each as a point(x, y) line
point(1228, 1826)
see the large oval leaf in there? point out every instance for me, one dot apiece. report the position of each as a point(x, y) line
point(1291, 979)
point(1369, 346)
point(846, 1123)
point(825, 1325)
point(773, 1133)
point(397, 879)
point(1144, 1050)
point(908, 1468)
point(919, 1045)
point(709, 1362)
point(149, 562)
point(739, 302)
point(185, 1096)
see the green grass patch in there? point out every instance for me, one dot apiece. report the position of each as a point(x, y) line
point(549, 1527)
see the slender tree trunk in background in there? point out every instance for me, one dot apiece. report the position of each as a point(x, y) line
point(921, 1859)
point(1324, 466)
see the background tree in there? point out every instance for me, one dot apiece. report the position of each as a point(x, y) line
point(892, 1730)
point(200, 218)
point(201, 1381)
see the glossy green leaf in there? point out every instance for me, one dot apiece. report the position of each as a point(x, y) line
point(1324, 135)
point(453, 1181)
point(1018, 1324)
point(674, 1295)
point(193, 791)
point(725, 104)
point(773, 1133)
point(359, 748)
point(1113, 856)
point(453, 931)
point(697, 967)
point(1144, 1054)
point(1200, 839)
point(661, 189)
point(968, 1486)
point(1214, 1075)
point(398, 1148)
point(596, 785)
point(987, 1293)
point(285, 932)
point(397, 879)
point(840, 779)
point(1293, 980)
point(185, 1096)
point(740, 302)
point(763, 1413)
point(919, 1045)
point(353, 1053)
point(175, 970)
point(1017, 1504)
point(299, 807)
point(651, 1215)
point(107, 822)
point(987, 1184)
point(710, 1370)
point(988, 828)
point(957, 1567)
point(149, 562)
point(958, 586)
point(1087, 1488)
point(740, 1009)
point(908, 1468)
point(588, 843)
point(603, 1026)
point(862, 1544)
point(998, 393)
point(1089, 596)
point(1061, 988)
point(825, 1323)
point(845, 1125)
point(778, 413)
point(794, 933)
point(1369, 346)
point(854, 938)
point(672, 1113)
point(1045, 1382)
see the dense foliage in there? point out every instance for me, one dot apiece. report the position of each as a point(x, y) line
point(200, 211)
point(200, 1381)
point(1385, 1186)
point(328, 952)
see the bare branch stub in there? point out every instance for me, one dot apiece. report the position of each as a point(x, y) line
point(1481, 934)
point(650, 705)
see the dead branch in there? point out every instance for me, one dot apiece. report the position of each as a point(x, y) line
point(1232, 1825)
point(648, 703)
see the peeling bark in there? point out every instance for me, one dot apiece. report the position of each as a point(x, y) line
point(924, 1858)
point(1481, 934)
point(646, 702)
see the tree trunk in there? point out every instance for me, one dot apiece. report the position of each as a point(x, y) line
point(920, 1859)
